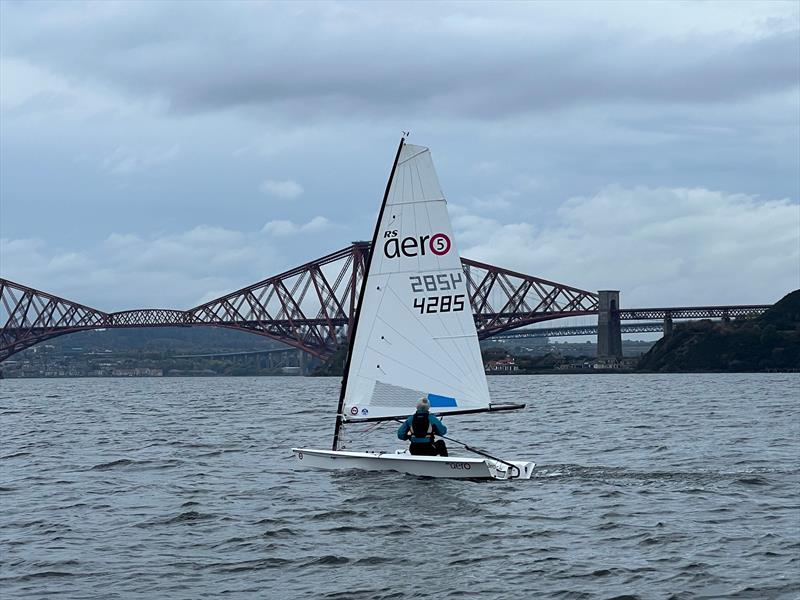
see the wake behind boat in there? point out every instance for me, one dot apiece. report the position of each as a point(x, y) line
point(413, 334)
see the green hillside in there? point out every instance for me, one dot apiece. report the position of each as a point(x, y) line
point(177, 340)
point(770, 342)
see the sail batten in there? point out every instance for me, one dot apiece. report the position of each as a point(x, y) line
point(415, 333)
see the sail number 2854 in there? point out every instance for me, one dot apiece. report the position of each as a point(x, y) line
point(441, 282)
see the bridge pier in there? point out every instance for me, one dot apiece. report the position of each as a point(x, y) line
point(609, 330)
point(667, 324)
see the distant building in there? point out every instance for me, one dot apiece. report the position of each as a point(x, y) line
point(575, 365)
point(614, 363)
point(504, 365)
point(138, 372)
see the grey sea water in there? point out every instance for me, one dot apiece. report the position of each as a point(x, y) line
point(647, 486)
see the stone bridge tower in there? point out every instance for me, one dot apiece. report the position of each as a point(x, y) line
point(609, 332)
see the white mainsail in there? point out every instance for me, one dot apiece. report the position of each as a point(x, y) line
point(415, 334)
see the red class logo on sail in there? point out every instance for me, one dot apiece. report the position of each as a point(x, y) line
point(438, 243)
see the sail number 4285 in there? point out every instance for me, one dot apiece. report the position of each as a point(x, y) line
point(440, 304)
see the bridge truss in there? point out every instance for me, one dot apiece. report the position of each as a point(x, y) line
point(694, 312)
point(575, 330)
point(309, 307)
point(658, 317)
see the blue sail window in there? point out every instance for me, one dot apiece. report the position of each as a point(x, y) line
point(441, 401)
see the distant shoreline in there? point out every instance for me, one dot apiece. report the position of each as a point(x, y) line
point(560, 372)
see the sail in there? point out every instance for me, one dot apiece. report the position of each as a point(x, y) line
point(415, 334)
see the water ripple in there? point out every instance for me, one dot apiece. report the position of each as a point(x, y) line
point(647, 486)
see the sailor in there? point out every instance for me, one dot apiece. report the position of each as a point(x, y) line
point(421, 428)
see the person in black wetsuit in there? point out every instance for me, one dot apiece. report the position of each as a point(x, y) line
point(421, 429)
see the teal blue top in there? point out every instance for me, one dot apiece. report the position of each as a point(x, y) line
point(405, 432)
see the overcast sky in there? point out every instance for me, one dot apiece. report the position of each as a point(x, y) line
point(158, 154)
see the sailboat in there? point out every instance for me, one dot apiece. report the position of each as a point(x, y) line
point(413, 334)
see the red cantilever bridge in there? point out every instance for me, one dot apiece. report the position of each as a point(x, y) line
point(309, 307)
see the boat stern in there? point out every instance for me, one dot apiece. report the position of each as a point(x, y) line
point(502, 470)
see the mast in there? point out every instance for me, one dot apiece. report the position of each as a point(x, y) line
point(352, 335)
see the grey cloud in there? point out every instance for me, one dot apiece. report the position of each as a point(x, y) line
point(286, 189)
point(125, 271)
point(657, 96)
point(124, 161)
point(284, 227)
point(659, 246)
point(173, 270)
point(290, 60)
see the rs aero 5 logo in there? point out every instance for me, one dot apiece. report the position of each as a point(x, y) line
point(394, 246)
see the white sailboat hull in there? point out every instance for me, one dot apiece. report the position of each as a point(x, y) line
point(451, 467)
